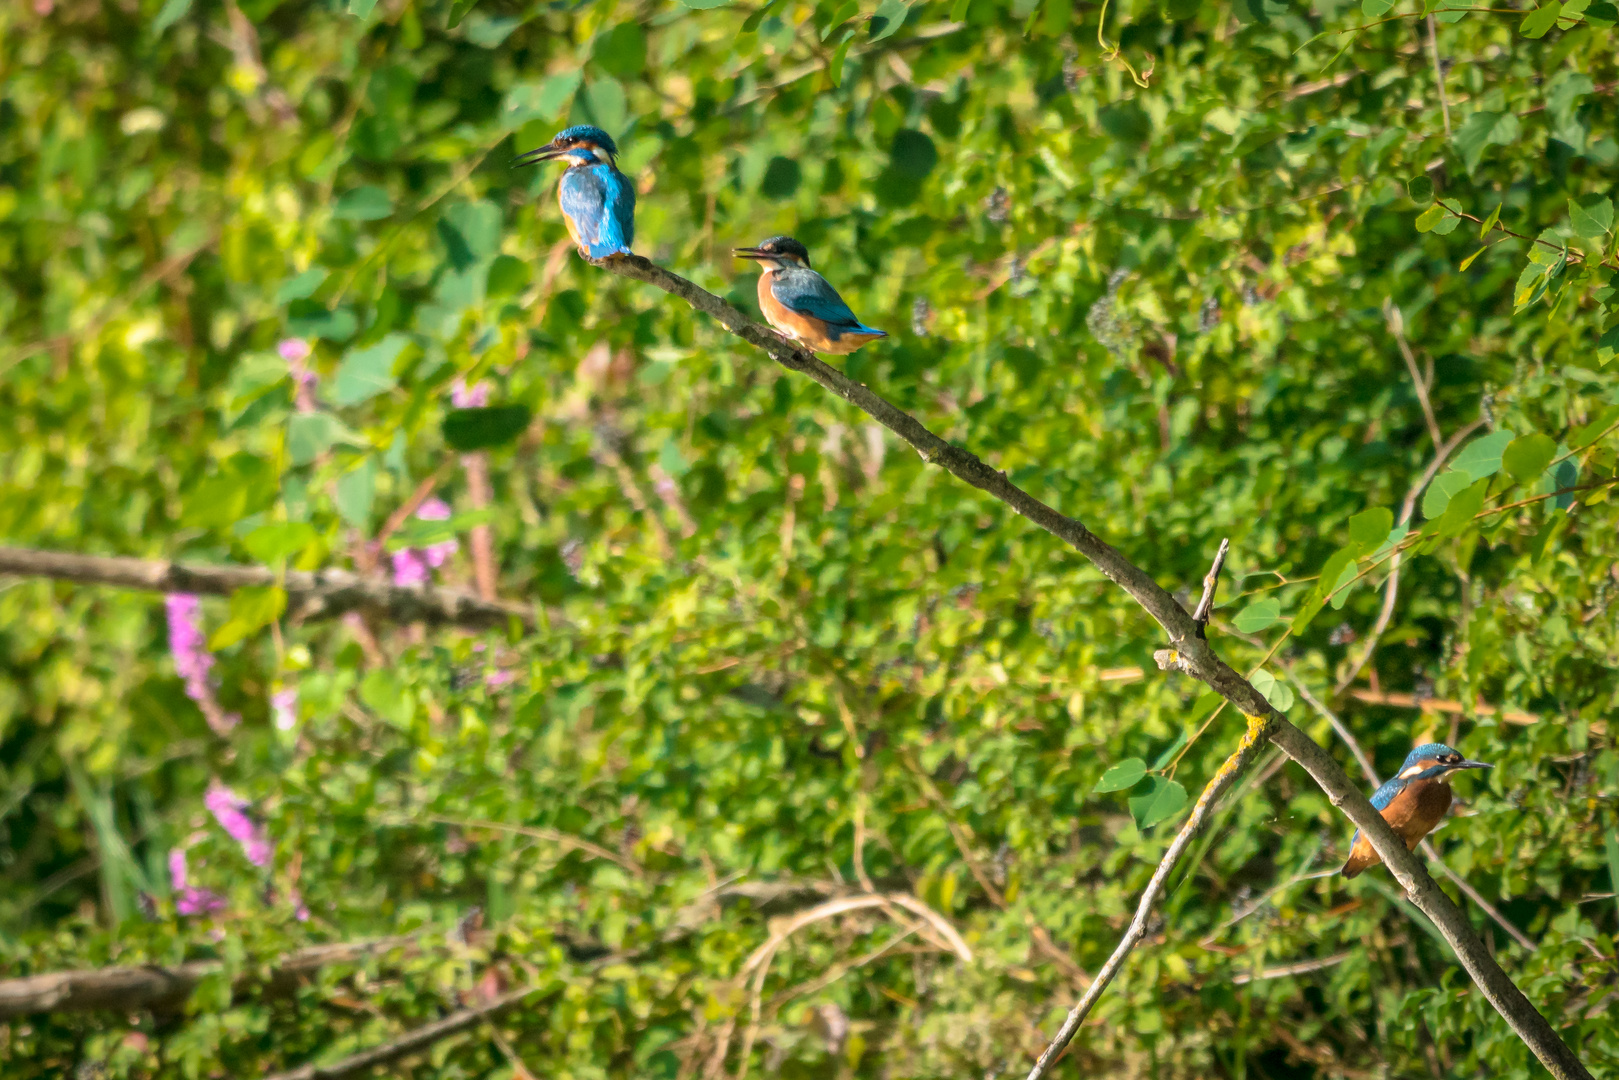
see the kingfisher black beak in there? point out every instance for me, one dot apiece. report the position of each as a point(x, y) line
point(1472, 765)
point(537, 155)
point(750, 253)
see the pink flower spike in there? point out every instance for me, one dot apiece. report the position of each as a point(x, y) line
point(435, 509)
point(463, 396)
point(187, 900)
point(293, 350)
point(409, 567)
point(284, 706)
point(231, 813)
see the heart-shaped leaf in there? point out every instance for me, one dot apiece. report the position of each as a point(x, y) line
point(1126, 774)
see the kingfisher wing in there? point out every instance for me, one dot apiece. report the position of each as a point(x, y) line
point(1385, 794)
point(808, 293)
point(600, 202)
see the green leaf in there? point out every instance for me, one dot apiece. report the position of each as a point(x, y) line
point(242, 485)
point(1469, 260)
point(1610, 846)
point(479, 429)
point(1376, 9)
point(309, 435)
point(1602, 15)
point(1420, 188)
point(171, 12)
point(844, 12)
point(1589, 432)
point(458, 11)
point(383, 693)
point(1482, 456)
point(1540, 20)
point(1429, 218)
point(1165, 799)
point(1451, 221)
point(1489, 222)
point(365, 373)
point(355, 492)
point(540, 101)
point(251, 609)
point(1172, 749)
point(835, 70)
point(1608, 344)
point(1260, 615)
point(300, 287)
point(1590, 217)
point(1527, 457)
point(361, 9)
point(1482, 130)
point(958, 10)
point(365, 203)
point(1126, 774)
point(1348, 578)
point(421, 532)
point(1274, 690)
point(890, 16)
point(1458, 515)
point(1439, 493)
point(271, 544)
point(1369, 528)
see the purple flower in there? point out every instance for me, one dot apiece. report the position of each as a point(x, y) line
point(189, 900)
point(284, 706)
point(412, 565)
point(193, 661)
point(295, 351)
point(463, 396)
point(231, 813)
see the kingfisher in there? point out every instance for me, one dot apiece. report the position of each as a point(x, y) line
point(800, 304)
point(598, 201)
point(1412, 802)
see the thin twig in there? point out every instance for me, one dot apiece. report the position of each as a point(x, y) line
point(1396, 324)
point(1188, 653)
point(555, 836)
point(1438, 71)
point(1211, 582)
point(1391, 588)
point(412, 1041)
point(1253, 741)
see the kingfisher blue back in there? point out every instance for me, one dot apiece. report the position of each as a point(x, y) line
point(598, 201)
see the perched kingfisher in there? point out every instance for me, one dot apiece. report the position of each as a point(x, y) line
point(598, 201)
point(798, 302)
point(1412, 802)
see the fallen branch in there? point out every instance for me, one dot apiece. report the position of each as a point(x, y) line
point(412, 1041)
point(1189, 653)
point(310, 594)
point(148, 986)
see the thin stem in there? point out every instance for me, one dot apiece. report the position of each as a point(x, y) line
point(1248, 750)
point(1438, 70)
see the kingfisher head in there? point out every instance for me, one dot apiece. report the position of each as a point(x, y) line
point(581, 145)
point(1435, 760)
point(778, 253)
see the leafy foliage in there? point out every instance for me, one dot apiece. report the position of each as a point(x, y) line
point(765, 631)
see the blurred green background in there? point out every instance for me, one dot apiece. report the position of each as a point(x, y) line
point(765, 629)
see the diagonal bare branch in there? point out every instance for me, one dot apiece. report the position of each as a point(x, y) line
point(1189, 654)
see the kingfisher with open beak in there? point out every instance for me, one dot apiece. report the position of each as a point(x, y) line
point(801, 304)
point(1412, 802)
point(598, 201)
